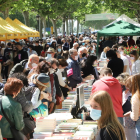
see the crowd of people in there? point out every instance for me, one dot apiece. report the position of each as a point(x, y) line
point(40, 73)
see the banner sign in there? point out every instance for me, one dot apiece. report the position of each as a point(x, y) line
point(106, 16)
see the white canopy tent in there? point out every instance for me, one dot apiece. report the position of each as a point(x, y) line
point(126, 19)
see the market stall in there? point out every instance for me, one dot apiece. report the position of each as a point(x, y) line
point(63, 125)
point(123, 26)
point(24, 34)
point(34, 33)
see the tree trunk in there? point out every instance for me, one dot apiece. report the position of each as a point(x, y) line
point(54, 27)
point(67, 27)
point(63, 30)
point(26, 18)
point(72, 26)
point(77, 27)
point(40, 27)
point(44, 24)
point(6, 13)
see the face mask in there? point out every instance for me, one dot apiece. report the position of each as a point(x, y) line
point(59, 50)
point(87, 46)
point(34, 65)
point(100, 40)
point(33, 44)
point(95, 114)
point(49, 55)
point(27, 43)
point(92, 51)
point(84, 54)
point(76, 57)
point(40, 44)
point(29, 49)
point(83, 44)
point(132, 58)
point(121, 52)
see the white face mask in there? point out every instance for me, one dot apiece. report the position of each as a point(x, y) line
point(34, 65)
point(121, 52)
point(76, 57)
point(132, 58)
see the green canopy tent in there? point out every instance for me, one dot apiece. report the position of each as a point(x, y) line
point(119, 28)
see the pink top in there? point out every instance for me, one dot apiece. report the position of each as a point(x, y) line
point(113, 87)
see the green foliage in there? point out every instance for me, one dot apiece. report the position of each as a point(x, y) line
point(97, 24)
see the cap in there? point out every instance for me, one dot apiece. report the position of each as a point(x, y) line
point(43, 79)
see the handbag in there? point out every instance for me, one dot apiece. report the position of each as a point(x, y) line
point(127, 106)
point(17, 135)
point(30, 124)
point(59, 100)
point(69, 72)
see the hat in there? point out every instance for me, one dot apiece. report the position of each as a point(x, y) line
point(51, 50)
point(43, 79)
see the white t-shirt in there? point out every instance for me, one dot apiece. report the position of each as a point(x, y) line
point(126, 62)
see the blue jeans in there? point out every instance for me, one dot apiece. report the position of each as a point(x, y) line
point(120, 120)
point(138, 129)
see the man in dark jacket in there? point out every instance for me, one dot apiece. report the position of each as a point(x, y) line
point(21, 55)
point(38, 48)
point(25, 65)
point(74, 71)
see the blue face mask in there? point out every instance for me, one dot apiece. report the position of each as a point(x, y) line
point(59, 50)
point(28, 49)
point(83, 44)
point(49, 55)
point(92, 51)
point(95, 114)
point(87, 46)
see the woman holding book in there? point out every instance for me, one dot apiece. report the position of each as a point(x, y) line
point(108, 124)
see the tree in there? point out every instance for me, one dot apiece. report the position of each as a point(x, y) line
point(128, 7)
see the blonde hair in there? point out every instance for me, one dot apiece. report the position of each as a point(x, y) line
point(133, 83)
point(108, 118)
point(106, 49)
point(122, 78)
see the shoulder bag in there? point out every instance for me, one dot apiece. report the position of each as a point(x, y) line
point(17, 135)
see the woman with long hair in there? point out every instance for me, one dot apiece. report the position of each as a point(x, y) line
point(89, 67)
point(129, 124)
point(103, 54)
point(43, 53)
point(134, 56)
point(108, 123)
point(59, 52)
point(133, 84)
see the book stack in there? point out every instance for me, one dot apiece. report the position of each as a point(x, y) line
point(88, 134)
point(92, 128)
point(42, 135)
point(60, 117)
point(79, 121)
point(45, 124)
point(67, 126)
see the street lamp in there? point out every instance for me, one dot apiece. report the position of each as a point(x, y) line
point(37, 18)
